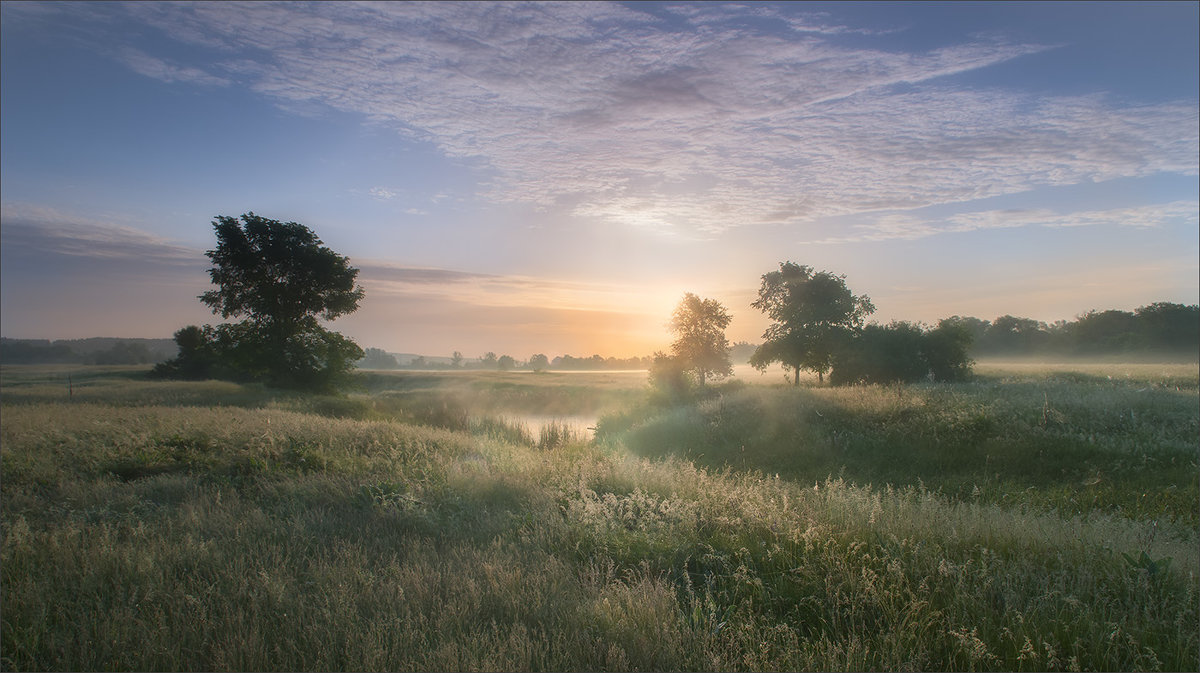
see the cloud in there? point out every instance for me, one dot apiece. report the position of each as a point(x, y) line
point(1156, 215)
point(908, 227)
point(383, 193)
point(506, 313)
point(419, 276)
point(150, 66)
point(727, 116)
point(510, 290)
point(32, 228)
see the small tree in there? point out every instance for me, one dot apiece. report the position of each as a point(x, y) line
point(669, 379)
point(903, 353)
point(377, 358)
point(539, 362)
point(813, 314)
point(197, 358)
point(505, 363)
point(881, 354)
point(946, 349)
point(700, 345)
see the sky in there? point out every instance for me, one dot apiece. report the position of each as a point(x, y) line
point(553, 177)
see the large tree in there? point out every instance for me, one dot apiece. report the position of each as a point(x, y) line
point(282, 280)
point(812, 314)
point(700, 345)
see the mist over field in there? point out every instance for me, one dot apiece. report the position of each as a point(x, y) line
point(599, 336)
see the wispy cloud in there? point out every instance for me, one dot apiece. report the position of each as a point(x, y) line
point(908, 227)
point(599, 110)
point(383, 193)
point(1146, 216)
point(509, 290)
point(150, 66)
point(46, 230)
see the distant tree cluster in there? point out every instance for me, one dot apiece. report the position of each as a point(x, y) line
point(817, 324)
point(597, 362)
point(700, 350)
point(902, 353)
point(813, 315)
point(377, 358)
point(1163, 328)
point(96, 351)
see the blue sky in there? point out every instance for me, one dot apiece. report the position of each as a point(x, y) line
point(553, 177)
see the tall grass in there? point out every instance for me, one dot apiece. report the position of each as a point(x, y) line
point(158, 537)
point(1076, 447)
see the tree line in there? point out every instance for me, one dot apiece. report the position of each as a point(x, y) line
point(818, 325)
point(1159, 328)
point(94, 351)
point(377, 358)
point(281, 280)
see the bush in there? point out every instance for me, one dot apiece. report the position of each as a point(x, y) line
point(315, 359)
point(669, 379)
point(880, 354)
point(903, 353)
point(945, 350)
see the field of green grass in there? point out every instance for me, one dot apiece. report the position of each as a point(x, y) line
point(1038, 518)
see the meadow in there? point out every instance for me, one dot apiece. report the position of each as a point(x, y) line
point(1040, 517)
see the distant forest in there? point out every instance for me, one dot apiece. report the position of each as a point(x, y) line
point(94, 351)
point(1157, 330)
point(1160, 329)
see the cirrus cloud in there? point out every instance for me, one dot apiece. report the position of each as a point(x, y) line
point(691, 126)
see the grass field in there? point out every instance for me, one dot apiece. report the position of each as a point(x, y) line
point(1041, 517)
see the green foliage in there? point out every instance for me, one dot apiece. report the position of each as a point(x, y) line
point(282, 278)
point(1075, 446)
point(879, 354)
point(945, 349)
point(277, 274)
point(14, 351)
point(669, 379)
point(1159, 328)
point(1147, 564)
point(316, 359)
point(813, 314)
point(700, 345)
point(93, 351)
point(903, 353)
point(198, 357)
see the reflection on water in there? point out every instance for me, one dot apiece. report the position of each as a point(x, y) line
point(582, 425)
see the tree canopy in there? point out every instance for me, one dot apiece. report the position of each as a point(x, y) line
point(700, 344)
point(812, 313)
point(278, 274)
point(903, 352)
point(282, 279)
